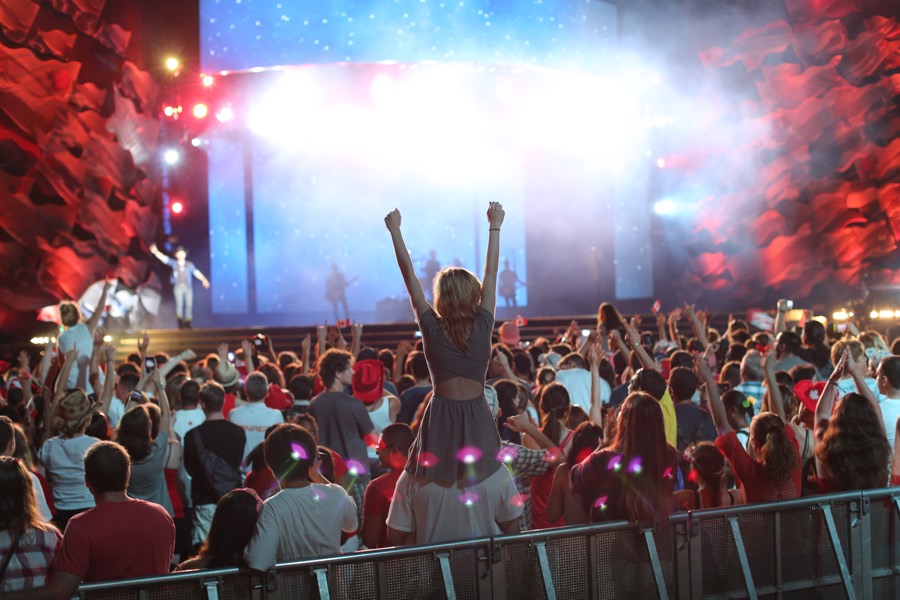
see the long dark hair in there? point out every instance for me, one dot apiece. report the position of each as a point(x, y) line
point(507, 395)
point(774, 450)
point(554, 407)
point(232, 527)
point(708, 465)
point(818, 352)
point(136, 432)
point(854, 447)
point(641, 436)
point(18, 506)
point(585, 440)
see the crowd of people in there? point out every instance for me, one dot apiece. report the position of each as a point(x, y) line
point(252, 458)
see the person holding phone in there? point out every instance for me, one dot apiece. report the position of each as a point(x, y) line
point(183, 272)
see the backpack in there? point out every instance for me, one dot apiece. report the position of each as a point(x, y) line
point(220, 474)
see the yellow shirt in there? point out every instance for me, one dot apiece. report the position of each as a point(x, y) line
point(670, 422)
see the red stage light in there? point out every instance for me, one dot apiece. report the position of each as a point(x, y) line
point(169, 111)
point(177, 207)
point(207, 80)
point(200, 111)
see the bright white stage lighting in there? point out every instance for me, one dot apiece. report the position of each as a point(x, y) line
point(665, 207)
point(171, 156)
point(225, 114)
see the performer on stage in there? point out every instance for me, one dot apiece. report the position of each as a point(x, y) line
point(509, 281)
point(182, 271)
point(336, 291)
point(429, 272)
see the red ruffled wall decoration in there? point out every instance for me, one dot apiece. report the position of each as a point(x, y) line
point(77, 183)
point(822, 207)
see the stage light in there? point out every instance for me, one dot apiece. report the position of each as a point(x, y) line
point(177, 207)
point(200, 111)
point(226, 114)
point(665, 207)
point(207, 80)
point(839, 315)
point(169, 111)
point(661, 163)
point(873, 314)
point(886, 314)
point(195, 142)
point(172, 63)
point(171, 156)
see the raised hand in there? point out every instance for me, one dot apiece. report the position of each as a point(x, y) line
point(768, 362)
point(24, 358)
point(144, 343)
point(322, 333)
point(675, 315)
point(247, 347)
point(631, 332)
point(188, 355)
point(305, 344)
point(594, 356)
point(71, 354)
point(110, 352)
point(392, 220)
point(222, 349)
point(357, 329)
point(495, 215)
point(520, 423)
point(840, 369)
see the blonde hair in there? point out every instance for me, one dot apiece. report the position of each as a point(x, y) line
point(457, 296)
point(69, 314)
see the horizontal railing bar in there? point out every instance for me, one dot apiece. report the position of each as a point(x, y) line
point(175, 577)
point(765, 590)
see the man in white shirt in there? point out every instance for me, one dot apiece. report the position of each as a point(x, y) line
point(255, 417)
point(888, 379)
point(575, 377)
point(190, 414)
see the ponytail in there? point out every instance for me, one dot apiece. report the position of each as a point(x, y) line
point(776, 454)
point(554, 407)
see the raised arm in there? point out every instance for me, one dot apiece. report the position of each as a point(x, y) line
point(165, 419)
point(159, 255)
point(101, 307)
point(720, 417)
point(633, 342)
point(596, 413)
point(356, 340)
point(857, 370)
point(304, 353)
point(661, 327)
point(109, 383)
point(522, 424)
point(768, 365)
point(674, 316)
point(827, 398)
point(696, 326)
point(96, 355)
point(247, 347)
point(779, 316)
point(495, 215)
point(46, 359)
point(413, 285)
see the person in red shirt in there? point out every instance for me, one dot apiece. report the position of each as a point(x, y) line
point(99, 544)
point(393, 448)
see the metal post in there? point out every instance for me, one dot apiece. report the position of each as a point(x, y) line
point(742, 557)
point(546, 575)
point(447, 575)
point(657, 566)
point(212, 589)
point(838, 552)
point(322, 580)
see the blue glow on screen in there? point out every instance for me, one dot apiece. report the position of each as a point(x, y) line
point(242, 34)
point(227, 227)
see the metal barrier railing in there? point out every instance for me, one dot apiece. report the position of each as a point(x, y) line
point(840, 545)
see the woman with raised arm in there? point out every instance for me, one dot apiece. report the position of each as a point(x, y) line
point(852, 451)
point(773, 472)
point(456, 335)
point(457, 443)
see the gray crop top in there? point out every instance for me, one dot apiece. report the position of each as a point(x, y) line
point(445, 360)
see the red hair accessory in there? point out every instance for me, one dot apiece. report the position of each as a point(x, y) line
point(809, 393)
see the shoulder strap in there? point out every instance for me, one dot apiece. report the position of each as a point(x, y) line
point(8, 559)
